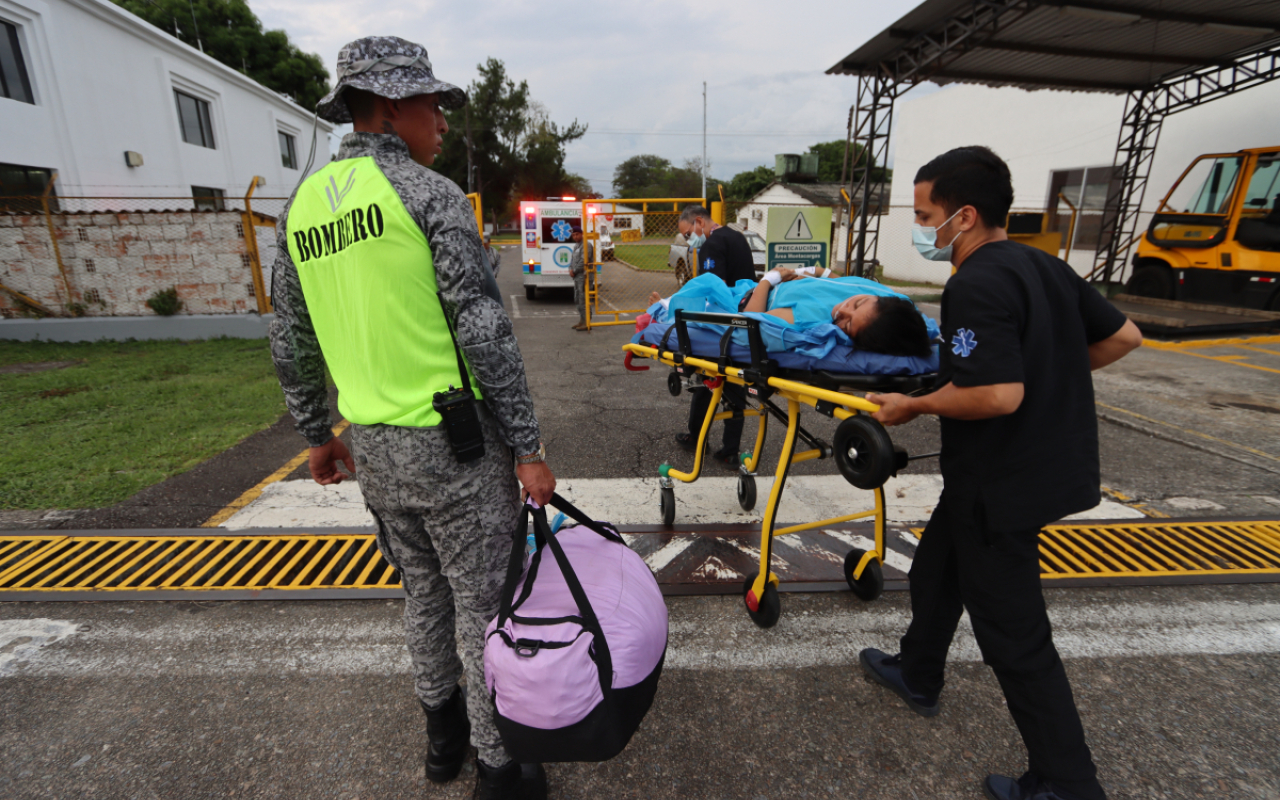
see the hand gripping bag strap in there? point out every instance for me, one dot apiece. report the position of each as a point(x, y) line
point(604, 661)
point(577, 516)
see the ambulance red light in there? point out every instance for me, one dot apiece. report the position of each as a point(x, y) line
point(568, 199)
point(592, 209)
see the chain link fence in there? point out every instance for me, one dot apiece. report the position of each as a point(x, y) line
point(108, 256)
point(636, 251)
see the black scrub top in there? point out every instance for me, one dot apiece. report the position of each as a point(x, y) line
point(1014, 314)
point(727, 254)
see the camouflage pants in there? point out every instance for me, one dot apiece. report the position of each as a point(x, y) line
point(580, 295)
point(447, 528)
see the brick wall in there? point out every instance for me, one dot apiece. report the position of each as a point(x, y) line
point(116, 260)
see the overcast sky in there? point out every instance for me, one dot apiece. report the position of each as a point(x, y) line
point(634, 71)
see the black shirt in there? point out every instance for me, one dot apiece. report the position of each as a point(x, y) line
point(727, 254)
point(1014, 314)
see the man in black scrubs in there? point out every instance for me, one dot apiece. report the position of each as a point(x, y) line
point(723, 252)
point(1021, 334)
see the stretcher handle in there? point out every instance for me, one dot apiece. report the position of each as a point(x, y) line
point(759, 355)
point(626, 362)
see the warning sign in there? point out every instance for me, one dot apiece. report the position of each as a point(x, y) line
point(799, 229)
point(799, 236)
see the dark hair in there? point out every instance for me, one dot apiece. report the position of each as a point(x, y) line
point(970, 176)
point(897, 330)
point(360, 103)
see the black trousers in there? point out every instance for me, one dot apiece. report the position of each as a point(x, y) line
point(735, 396)
point(996, 577)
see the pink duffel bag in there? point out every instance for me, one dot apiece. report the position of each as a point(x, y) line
point(573, 658)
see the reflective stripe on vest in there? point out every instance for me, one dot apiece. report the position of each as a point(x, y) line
point(370, 286)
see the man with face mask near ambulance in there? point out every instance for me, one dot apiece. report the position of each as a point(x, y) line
point(381, 276)
point(1021, 333)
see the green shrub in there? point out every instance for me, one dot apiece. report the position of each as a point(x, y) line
point(165, 302)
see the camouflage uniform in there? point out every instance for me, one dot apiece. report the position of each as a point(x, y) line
point(578, 270)
point(445, 526)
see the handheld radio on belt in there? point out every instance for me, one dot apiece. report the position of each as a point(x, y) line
point(457, 409)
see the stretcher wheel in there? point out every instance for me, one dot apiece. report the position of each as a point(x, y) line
point(746, 492)
point(864, 452)
point(668, 502)
point(769, 607)
point(871, 584)
point(674, 384)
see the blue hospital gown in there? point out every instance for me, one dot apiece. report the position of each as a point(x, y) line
point(812, 335)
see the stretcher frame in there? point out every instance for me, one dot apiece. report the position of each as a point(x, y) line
point(763, 380)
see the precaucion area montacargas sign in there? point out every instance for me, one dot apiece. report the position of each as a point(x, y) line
point(798, 236)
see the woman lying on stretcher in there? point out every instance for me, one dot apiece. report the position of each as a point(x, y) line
point(876, 318)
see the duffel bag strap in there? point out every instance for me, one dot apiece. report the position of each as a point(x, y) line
point(577, 516)
point(604, 661)
point(515, 567)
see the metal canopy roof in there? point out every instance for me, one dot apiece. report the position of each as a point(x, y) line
point(1082, 45)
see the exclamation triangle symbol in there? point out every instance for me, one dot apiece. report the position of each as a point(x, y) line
point(799, 229)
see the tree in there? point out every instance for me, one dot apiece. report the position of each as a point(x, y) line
point(515, 150)
point(831, 162)
point(654, 176)
point(745, 185)
point(641, 176)
point(228, 31)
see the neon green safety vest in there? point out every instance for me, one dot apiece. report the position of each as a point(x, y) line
point(370, 285)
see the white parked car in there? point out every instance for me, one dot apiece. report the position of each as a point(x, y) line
point(681, 260)
point(606, 245)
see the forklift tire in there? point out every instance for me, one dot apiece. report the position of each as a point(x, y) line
point(531, 293)
point(1152, 280)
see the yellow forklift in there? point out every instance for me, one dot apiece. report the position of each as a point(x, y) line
point(1215, 238)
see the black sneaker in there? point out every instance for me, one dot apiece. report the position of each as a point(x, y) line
point(885, 670)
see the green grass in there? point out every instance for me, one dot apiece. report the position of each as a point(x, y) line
point(127, 416)
point(650, 257)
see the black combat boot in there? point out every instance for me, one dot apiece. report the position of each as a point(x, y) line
point(512, 782)
point(448, 737)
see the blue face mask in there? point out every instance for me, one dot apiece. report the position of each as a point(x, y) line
point(695, 240)
point(926, 241)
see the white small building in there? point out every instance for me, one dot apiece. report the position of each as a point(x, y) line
point(1055, 142)
point(754, 214)
point(118, 107)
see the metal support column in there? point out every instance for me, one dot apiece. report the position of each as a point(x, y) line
point(873, 118)
point(1139, 133)
point(1144, 114)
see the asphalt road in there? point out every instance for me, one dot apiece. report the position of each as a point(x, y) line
point(313, 699)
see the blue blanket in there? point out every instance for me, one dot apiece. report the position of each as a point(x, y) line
point(812, 342)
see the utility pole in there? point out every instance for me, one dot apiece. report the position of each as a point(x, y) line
point(199, 43)
point(704, 141)
point(471, 173)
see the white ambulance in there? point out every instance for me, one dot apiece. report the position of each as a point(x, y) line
point(546, 246)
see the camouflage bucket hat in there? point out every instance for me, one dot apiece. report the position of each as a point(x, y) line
point(387, 66)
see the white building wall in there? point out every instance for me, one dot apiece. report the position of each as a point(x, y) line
point(103, 81)
point(1037, 133)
